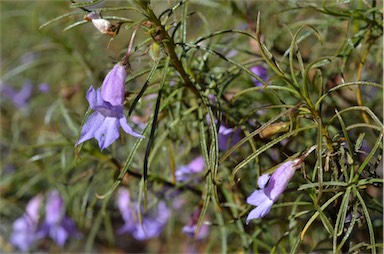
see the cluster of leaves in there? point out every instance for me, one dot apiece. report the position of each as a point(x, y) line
point(190, 73)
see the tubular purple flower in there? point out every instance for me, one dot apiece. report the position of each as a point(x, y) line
point(271, 187)
point(24, 229)
point(104, 124)
point(57, 225)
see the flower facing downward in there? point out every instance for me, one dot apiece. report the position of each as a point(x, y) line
point(24, 232)
point(103, 25)
point(271, 187)
point(57, 225)
point(104, 124)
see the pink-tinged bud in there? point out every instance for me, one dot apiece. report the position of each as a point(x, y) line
point(103, 25)
point(112, 89)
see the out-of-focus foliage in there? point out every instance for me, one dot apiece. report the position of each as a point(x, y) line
point(190, 76)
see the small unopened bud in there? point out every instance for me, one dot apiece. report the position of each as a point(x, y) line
point(156, 51)
point(103, 25)
point(274, 129)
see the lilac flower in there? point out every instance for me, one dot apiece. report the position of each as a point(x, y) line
point(228, 137)
point(196, 166)
point(57, 225)
point(104, 124)
point(24, 232)
point(152, 223)
point(271, 187)
point(190, 228)
point(19, 98)
point(260, 71)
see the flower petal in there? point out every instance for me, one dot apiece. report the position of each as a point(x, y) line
point(263, 180)
point(257, 197)
point(93, 123)
point(260, 211)
point(54, 208)
point(108, 132)
point(197, 165)
point(124, 125)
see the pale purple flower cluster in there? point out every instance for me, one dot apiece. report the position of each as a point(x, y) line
point(104, 124)
point(153, 221)
point(27, 229)
point(261, 72)
point(271, 187)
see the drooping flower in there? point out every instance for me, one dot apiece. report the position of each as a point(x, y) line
point(153, 221)
point(228, 137)
point(261, 72)
point(190, 228)
point(184, 172)
point(24, 229)
point(57, 225)
point(103, 25)
point(19, 98)
point(271, 187)
point(104, 124)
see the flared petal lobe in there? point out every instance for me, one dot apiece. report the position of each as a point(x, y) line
point(260, 211)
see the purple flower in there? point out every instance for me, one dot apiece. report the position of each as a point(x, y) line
point(228, 137)
point(104, 124)
point(24, 232)
point(190, 228)
point(261, 72)
point(196, 166)
point(152, 223)
point(271, 187)
point(57, 225)
point(19, 98)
